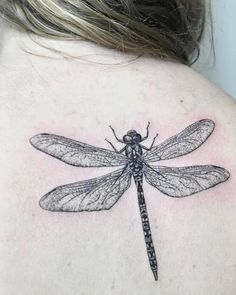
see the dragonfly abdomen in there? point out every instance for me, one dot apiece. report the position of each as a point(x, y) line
point(146, 227)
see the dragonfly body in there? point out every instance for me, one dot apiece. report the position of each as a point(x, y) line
point(134, 152)
point(103, 192)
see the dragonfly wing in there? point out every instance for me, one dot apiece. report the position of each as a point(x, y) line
point(90, 195)
point(183, 143)
point(184, 181)
point(76, 153)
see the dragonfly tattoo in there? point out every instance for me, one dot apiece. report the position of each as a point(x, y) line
point(103, 192)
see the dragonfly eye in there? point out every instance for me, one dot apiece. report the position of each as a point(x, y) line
point(127, 139)
point(137, 138)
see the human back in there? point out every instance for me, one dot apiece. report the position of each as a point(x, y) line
point(104, 252)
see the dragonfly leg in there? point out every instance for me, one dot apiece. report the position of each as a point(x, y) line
point(113, 130)
point(114, 148)
point(154, 139)
point(147, 134)
point(148, 149)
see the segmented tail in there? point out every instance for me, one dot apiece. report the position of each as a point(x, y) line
point(146, 228)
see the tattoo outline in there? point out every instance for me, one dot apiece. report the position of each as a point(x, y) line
point(103, 192)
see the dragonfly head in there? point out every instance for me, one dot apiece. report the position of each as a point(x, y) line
point(132, 137)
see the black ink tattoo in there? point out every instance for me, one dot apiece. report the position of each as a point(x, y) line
point(103, 192)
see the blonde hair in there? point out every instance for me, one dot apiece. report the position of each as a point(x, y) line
point(168, 29)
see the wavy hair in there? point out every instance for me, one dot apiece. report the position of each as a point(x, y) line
point(169, 29)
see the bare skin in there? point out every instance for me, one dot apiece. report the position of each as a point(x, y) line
point(103, 252)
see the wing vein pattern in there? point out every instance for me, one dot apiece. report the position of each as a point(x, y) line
point(95, 194)
point(76, 153)
point(184, 181)
point(183, 143)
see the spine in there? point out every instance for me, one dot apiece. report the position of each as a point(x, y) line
point(147, 229)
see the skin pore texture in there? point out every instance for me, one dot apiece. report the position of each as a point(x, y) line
point(103, 252)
